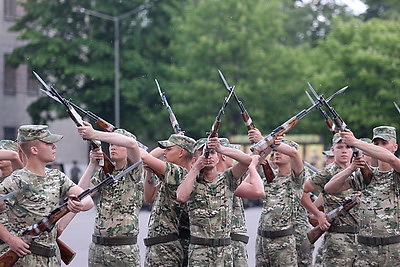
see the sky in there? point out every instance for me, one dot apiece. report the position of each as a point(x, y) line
point(356, 5)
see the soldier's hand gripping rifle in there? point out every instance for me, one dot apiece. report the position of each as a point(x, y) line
point(268, 172)
point(103, 124)
point(172, 118)
point(331, 216)
point(217, 122)
point(106, 163)
point(47, 223)
point(340, 126)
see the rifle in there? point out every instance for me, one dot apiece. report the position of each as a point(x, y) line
point(217, 122)
point(268, 172)
point(106, 164)
point(397, 107)
point(105, 125)
point(67, 253)
point(172, 118)
point(341, 125)
point(47, 223)
point(342, 210)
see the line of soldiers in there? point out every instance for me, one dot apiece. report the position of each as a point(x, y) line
point(197, 217)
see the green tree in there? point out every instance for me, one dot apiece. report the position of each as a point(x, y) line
point(76, 52)
point(243, 40)
point(384, 9)
point(364, 56)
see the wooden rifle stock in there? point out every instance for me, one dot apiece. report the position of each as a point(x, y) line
point(67, 253)
point(314, 234)
point(8, 258)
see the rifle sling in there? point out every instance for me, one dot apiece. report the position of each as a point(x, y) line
point(275, 234)
point(114, 241)
point(378, 241)
point(343, 229)
point(43, 250)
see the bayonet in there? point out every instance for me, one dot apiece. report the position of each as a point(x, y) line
point(397, 107)
point(7, 196)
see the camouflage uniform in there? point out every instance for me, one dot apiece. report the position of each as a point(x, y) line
point(37, 197)
point(168, 218)
point(301, 226)
point(278, 215)
point(210, 213)
point(239, 228)
point(380, 216)
point(117, 216)
point(6, 145)
point(339, 249)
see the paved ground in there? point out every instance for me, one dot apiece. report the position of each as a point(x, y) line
point(78, 234)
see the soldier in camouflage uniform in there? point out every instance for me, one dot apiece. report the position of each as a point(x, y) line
point(379, 236)
point(9, 161)
point(168, 228)
point(209, 197)
point(276, 243)
point(114, 241)
point(339, 245)
point(40, 190)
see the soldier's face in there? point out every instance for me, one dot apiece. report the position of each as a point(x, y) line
point(117, 153)
point(171, 154)
point(46, 151)
point(280, 158)
point(389, 145)
point(342, 153)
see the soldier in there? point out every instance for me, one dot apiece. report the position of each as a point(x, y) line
point(9, 161)
point(329, 157)
point(168, 226)
point(40, 190)
point(210, 202)
point(339, 246)
point(114, 241)
point(379, 236)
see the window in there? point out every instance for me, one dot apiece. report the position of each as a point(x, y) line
point(33, 84)
point(9, 79)
point(10, 133)
point(9, 10)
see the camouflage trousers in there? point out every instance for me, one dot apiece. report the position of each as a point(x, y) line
point(303, 247)
point(240, 256)
point(206, 256)
point(388, 255)
point(31, 260)
point(168, 254)
point(279, 251)
point(339, 249)
point(111, 256)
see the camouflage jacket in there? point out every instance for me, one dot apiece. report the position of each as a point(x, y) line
point(37, 197)
point(119, 204)
point(166, 214)
point(210, 206)
point(279, 203)
point(332, 201)
point(238, 217)
point(380, 204)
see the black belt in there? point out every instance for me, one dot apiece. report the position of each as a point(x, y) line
point(114, 241)
point(275, 234)
point(240, 237)
point(184, 233)
point(43, 250)
point(378, 241)
point(150, 241)
point(211, 242)
point(343, 229)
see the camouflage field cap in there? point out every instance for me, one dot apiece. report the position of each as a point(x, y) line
point(336, 138)
point(367, 140)
point(125, 132)
point(199, 144)
point(184, 142)
point(291, 143)
point(9, 145)
point(384, 132)
point(225, 142)
point(37, 132)
point(328, 153)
